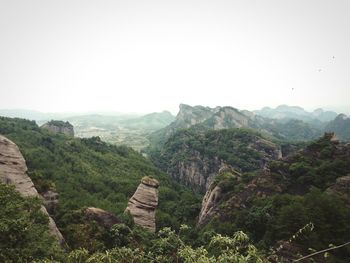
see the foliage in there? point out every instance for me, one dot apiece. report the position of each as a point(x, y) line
point(243, 149)
point(170, 247)
point(91, 173)
point(24, 229)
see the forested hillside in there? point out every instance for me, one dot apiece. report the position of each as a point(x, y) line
point(308, 186)
point(89, 172)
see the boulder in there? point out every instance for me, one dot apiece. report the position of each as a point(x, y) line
point(142, 205)
point(102, 217)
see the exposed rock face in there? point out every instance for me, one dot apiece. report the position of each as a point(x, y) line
point(142, 205)
point(59, 127)
point(341, 126)
point(261, 186)
point(198, 171)
point(341, 188)
point(13, 171)
point(50, 201)
point(210, 203)
point(102, 217)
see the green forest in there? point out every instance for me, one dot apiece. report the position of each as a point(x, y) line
point(87, 172)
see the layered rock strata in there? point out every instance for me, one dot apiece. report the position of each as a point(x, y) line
point(142, 205)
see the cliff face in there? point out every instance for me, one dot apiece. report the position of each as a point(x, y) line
point(194, 159)
point(341, 126)
point(142, 205)
point(59, 127)
point(263, 185)
point(210, 204)
point(198, 171)
point(13, 171)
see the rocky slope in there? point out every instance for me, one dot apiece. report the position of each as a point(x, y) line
point(59, 127)
point(264, 184)
point(205, 118)
point(13, 170)
point(194, 158)
point(341, 126)
point(341, 188)
point(324, 164)
point(142, 205)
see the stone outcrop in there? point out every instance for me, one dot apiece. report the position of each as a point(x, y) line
point(198, 171)
point(210, 203)
point(261, 186)
point(142, 205)
point(102, 217)
point(341, 188)
point(13, 170)
point(341, 126)
point(59, 127)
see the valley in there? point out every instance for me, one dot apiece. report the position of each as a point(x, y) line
point(204, 179)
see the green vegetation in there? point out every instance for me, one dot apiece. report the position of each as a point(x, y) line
point(89, 172)
point(244, 149)
point(304, 177)
point(60, 123)
point(24, 229)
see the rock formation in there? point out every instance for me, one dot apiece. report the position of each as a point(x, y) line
point(210, 203)
point(142, 205)
point(59, 127)
point(261, 186)
point(341, 126)
point(13, 171)
point(196, 168)
point(102, 217)
point(341, 188)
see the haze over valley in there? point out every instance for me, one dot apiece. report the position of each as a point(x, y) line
point(174, 131)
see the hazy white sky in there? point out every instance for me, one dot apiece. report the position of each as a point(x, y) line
point(143, 56)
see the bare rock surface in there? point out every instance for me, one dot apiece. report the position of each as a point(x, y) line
point(142, 205)
point(210, 204)
point(13, 170)
point(59, 127)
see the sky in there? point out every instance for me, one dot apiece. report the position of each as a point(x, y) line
point(145, 56)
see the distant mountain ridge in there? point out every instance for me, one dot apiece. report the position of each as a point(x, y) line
point(341, 126)
point(296, 112)
point(206, 118)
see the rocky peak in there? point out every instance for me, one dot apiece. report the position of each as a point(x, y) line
point(189, 116)
point(229, 117)
point(59, 127)
point(13, 170)
point(142, 205)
